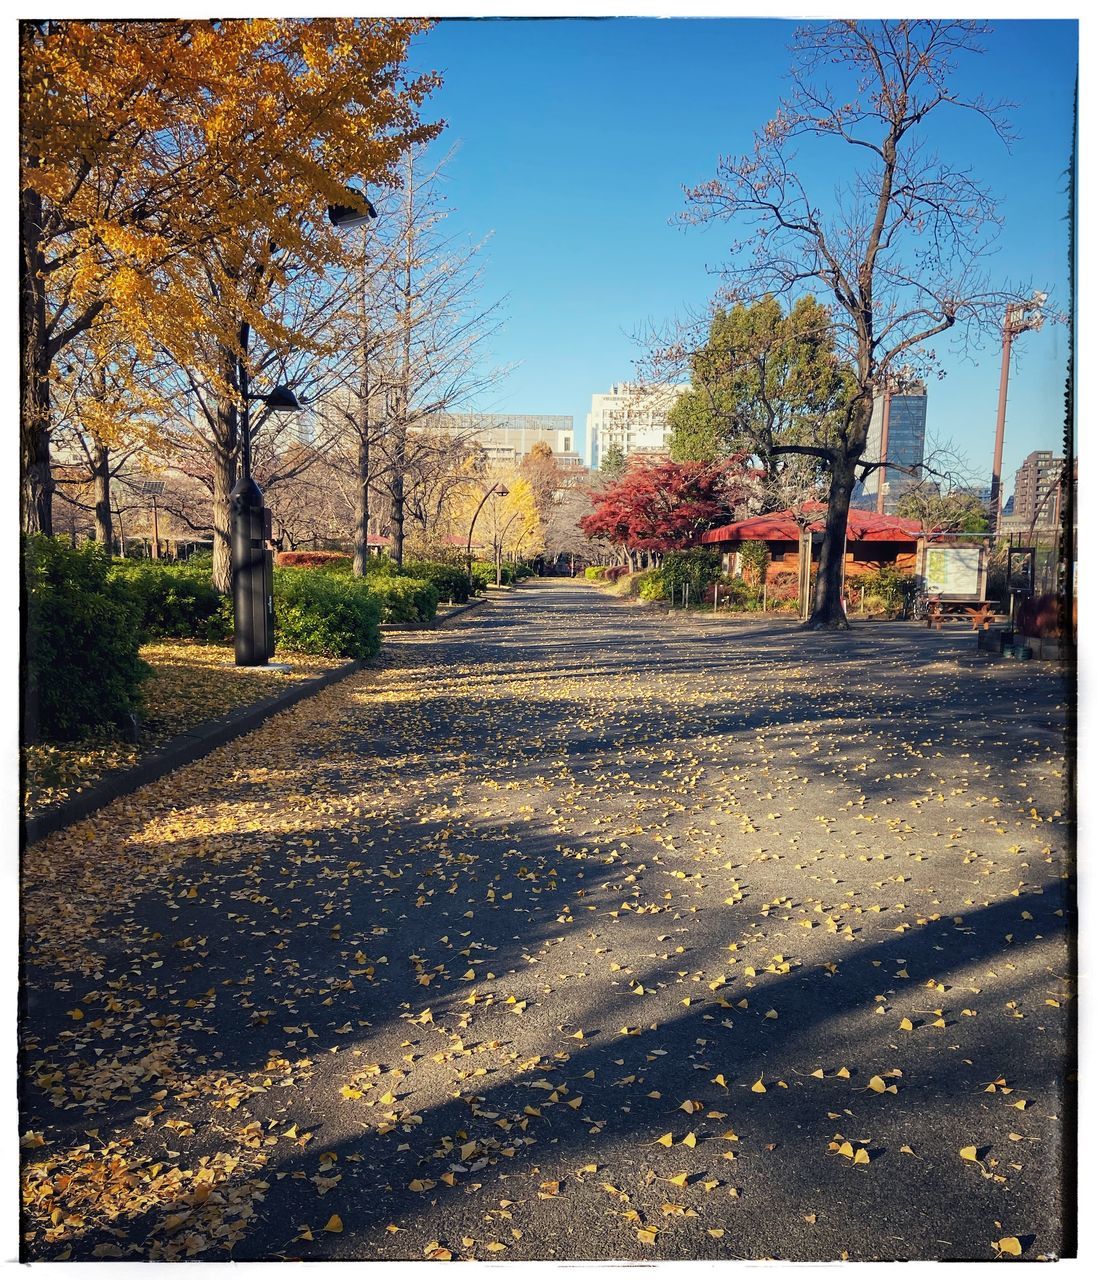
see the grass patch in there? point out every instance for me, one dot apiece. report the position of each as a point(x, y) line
point(191, 682)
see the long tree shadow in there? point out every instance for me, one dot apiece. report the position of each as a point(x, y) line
point(325, 943)
point(820, 1026)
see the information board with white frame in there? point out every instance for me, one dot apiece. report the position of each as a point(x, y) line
point(954, 571)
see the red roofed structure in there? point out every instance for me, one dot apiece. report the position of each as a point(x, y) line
point(781, 526)
point(872, 540)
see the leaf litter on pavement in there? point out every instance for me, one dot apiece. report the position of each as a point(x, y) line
point(480, 954)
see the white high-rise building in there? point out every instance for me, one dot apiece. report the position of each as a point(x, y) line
point(630, 417)
point(506, 438)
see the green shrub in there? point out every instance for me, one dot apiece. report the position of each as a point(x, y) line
point(652, 585)
point(450, 580)
point(83, 629)
point(737, 594)
point(755, 559)
point(895, 589)
point(485, 570)
point(404, 599)
point(176, 600)
point(594, 572)
point(697, 568)
point(329, 614)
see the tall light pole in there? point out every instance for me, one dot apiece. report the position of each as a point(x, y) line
point(499, 549)
point(501, 491)
point(344, 217)
point(252, 561)
point(1019, 317)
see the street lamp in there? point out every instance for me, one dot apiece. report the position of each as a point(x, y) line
point(252, 562)
point(499, 549)
point(501, 491)
point(1019, 318)
point(345, 217)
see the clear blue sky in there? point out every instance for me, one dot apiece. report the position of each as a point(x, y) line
point(575, 137)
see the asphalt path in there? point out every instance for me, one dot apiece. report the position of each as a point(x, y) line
point(573, 933)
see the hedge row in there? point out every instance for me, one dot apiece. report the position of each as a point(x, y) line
point(83, 631)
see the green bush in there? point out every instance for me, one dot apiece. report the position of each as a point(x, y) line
point(450, 580)
point(697, 568)
point(652, 585)
point(404, 599)
point(893, 588)
point(332, 615)
point(83, 629)
point(594, 572)
point(737, 594)
point(176, 600)
point(755, 559)
point(485, 570)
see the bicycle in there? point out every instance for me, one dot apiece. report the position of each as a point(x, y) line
point(919, 607)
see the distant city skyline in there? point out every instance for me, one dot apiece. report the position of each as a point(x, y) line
point(565, 157)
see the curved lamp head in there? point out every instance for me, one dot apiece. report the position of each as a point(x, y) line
point(281, 400)
point(502, 491)
point(344, 216)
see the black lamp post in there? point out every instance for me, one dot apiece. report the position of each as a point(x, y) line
point(502, 491)
point(252, 560)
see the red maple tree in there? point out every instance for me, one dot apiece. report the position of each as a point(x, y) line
point(664, 505)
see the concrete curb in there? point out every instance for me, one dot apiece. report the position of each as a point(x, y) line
point(436, 624)
point(185, 749)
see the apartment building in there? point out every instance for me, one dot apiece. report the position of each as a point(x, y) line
point(632, 419)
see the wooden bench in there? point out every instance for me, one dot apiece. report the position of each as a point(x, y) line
point(980, 616)
point(980, 612)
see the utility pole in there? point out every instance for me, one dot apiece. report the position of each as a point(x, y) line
point(1019, 318)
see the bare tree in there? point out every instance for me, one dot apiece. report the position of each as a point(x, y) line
point(898, 254)
point(433, 359)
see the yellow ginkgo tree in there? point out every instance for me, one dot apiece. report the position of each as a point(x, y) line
point(156, 154)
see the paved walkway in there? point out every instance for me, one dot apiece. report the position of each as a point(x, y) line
point(571, 936)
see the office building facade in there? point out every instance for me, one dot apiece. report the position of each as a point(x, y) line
point(506, 438)
point(906, 445)
point(631, 419)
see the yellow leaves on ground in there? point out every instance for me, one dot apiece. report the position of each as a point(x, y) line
point(1009, 1245)
point(334, 1224)
point(858, 1155)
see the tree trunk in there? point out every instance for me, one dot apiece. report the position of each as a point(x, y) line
point(224, 451)
point(224, 481)
point(399, 462)
point(827, 612)
point(361, 496)
point(104, 526)
point(361, 506)
point(34, 418)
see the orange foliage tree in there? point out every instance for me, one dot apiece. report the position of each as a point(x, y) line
point(155, 155)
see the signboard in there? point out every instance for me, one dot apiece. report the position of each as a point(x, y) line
point(1021, 570)
point(954, 572)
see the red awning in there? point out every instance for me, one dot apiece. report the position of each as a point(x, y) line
point(780, 526)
